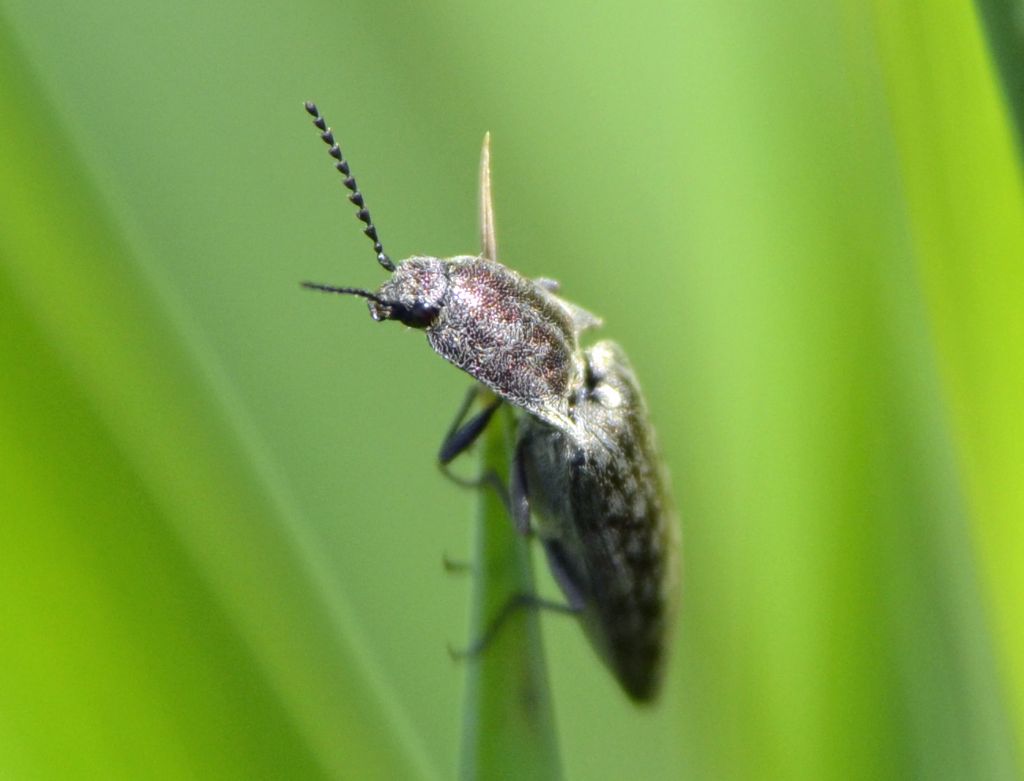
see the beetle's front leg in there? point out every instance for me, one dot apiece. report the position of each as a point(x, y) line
point(461, 435)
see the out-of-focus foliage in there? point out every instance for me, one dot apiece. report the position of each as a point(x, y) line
point(221, 530)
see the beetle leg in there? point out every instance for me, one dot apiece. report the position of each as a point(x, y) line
point(565, 575)
point(518, 498)
point(467, 402)
point(455, 566)
point(461, 436)
point(514, 603)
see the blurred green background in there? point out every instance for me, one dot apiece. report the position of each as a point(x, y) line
point(221, 528)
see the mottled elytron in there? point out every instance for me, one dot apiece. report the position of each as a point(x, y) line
point(586, 477)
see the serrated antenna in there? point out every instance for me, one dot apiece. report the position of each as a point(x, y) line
point(327, 136)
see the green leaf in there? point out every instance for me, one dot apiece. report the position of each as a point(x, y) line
point(1004, 27)
point(508, 726)
point(166, 614)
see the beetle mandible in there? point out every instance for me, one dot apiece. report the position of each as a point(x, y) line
point(586, 466)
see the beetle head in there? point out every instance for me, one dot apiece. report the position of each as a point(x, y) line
point(414, 294)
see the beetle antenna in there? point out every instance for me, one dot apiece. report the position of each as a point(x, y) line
point(327, 136)
point(347, 291)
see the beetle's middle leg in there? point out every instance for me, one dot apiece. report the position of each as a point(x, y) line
point(569, 579)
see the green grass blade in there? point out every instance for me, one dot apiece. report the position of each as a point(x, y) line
point(965, 217)
point(167, 616)
point(508, 727)
point(1005, 32)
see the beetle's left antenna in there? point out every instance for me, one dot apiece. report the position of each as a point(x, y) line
point(327, 136)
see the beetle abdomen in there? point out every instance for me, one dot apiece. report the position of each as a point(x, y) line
point(609, 516)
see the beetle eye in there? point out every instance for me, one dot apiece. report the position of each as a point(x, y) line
point(419, 315)
point(424, 313)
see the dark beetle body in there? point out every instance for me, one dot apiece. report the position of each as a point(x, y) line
point(586, 467)
point(586, 462)
point(602, 513)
